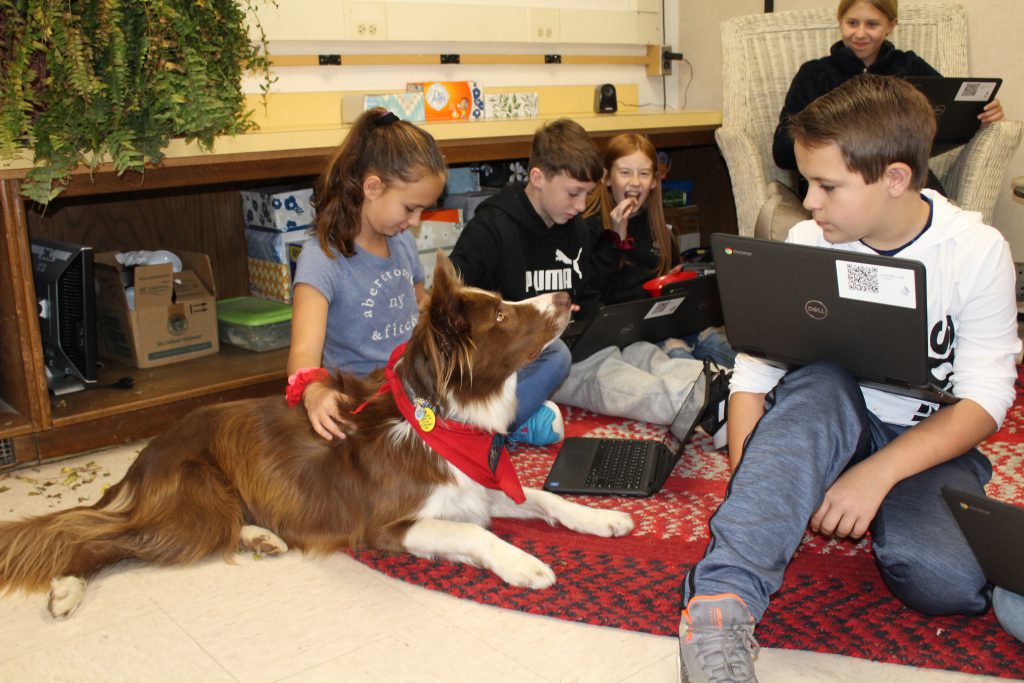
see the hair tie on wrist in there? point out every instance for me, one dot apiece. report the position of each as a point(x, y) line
point(624, 244)
point(384, 119)
point(298, 382)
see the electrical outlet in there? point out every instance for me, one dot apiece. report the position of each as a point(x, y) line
point(667, 57)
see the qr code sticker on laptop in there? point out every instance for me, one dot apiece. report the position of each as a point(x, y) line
point(862, 278)
point(975, 91)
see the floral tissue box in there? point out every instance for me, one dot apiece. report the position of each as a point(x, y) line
point(511, 105)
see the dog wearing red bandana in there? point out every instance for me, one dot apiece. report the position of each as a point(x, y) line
point(423, 469)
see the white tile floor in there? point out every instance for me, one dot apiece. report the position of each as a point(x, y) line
point(292, 618)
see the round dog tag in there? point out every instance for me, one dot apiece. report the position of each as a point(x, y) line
point(427, 420)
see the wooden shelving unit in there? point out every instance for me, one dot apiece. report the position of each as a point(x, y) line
point(191, 202)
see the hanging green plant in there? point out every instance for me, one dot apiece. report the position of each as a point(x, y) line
point(82, 79)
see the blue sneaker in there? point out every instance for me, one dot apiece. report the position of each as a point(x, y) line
point(543, 428)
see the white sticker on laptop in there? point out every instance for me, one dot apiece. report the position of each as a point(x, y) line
point(876, 284)
point(663, 308)
point(975, 91)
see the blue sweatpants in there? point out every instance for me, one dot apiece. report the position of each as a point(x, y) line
point(815, 426)
point(537, 381)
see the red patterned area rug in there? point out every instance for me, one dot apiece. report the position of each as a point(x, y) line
point(833, 599)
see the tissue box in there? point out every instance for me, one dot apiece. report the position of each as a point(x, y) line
point(175, 314)
point(438, 229)
point(676, 192)
point(511, 105)
point(462, 179)
point(450, 100)
point(272, 259)
point(468, 201)
point(407, 106)
point(279, 208)
point(277, 247)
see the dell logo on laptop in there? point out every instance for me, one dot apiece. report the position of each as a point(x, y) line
point(816, 309)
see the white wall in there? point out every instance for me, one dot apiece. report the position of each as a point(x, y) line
point(654, 91)
point(994, 35)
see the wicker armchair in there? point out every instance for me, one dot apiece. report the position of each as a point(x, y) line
point(761, 54)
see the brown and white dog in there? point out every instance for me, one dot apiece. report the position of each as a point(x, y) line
point(253, 474)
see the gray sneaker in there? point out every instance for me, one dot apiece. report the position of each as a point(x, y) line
point(716, 641)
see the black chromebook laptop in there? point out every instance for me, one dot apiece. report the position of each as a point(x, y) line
point(995, 532)
point(957, 103)
point(799, 304)
point(627, 467)
point(692, 306)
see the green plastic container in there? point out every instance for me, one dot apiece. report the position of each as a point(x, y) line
point(254, 324)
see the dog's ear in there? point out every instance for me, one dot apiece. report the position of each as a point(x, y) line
point(448, 325)
point(444, 272)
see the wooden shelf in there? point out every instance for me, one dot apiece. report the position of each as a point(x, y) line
point(191, 202)
point(13, 423)
point(232, 368)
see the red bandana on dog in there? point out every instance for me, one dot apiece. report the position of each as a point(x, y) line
point(468, 448)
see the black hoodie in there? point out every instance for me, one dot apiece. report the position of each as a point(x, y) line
point(621, 274)
point(819, 76)
point(507, 248)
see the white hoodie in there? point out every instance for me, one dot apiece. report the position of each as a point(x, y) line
point(972, 316)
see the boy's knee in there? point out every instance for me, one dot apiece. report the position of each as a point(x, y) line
point(936, 588)
point(824, 373)
point(824, 385)
point(558, 355)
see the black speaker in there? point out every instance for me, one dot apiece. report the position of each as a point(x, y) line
point(604, 99)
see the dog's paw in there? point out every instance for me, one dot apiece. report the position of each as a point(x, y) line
point(523, 570)
point(263, 541)
point(605, 523)
point(66, 593)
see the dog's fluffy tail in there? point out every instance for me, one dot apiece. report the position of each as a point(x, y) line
point(33, 551)
point(163, 519)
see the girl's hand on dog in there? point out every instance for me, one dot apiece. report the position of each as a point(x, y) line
point(324, 407)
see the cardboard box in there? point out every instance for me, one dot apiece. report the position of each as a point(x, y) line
point(451, 100)
point(174, 317)
point(272, 259)
point(407, 106)
point(438, 229)
point(279, 208)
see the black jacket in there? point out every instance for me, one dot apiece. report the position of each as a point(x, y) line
point(623, 272)
point(819, 76)
point(507, 248)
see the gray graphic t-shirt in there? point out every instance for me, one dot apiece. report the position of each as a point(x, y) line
point(371, 301)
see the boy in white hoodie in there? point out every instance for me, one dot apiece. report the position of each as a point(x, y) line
point(810, 446)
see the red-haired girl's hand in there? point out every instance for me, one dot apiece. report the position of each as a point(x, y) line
point(620, 216)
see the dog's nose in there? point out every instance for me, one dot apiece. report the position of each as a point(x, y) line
point(562, 300)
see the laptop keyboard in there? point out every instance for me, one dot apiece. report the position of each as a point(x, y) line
point(618, 464)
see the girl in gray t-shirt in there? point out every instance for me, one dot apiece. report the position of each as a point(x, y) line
point(359, 280)
point(371, 301)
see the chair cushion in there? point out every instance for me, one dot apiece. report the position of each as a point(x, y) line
point(779, 213)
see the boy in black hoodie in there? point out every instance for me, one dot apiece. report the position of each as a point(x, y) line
point(529, 238)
